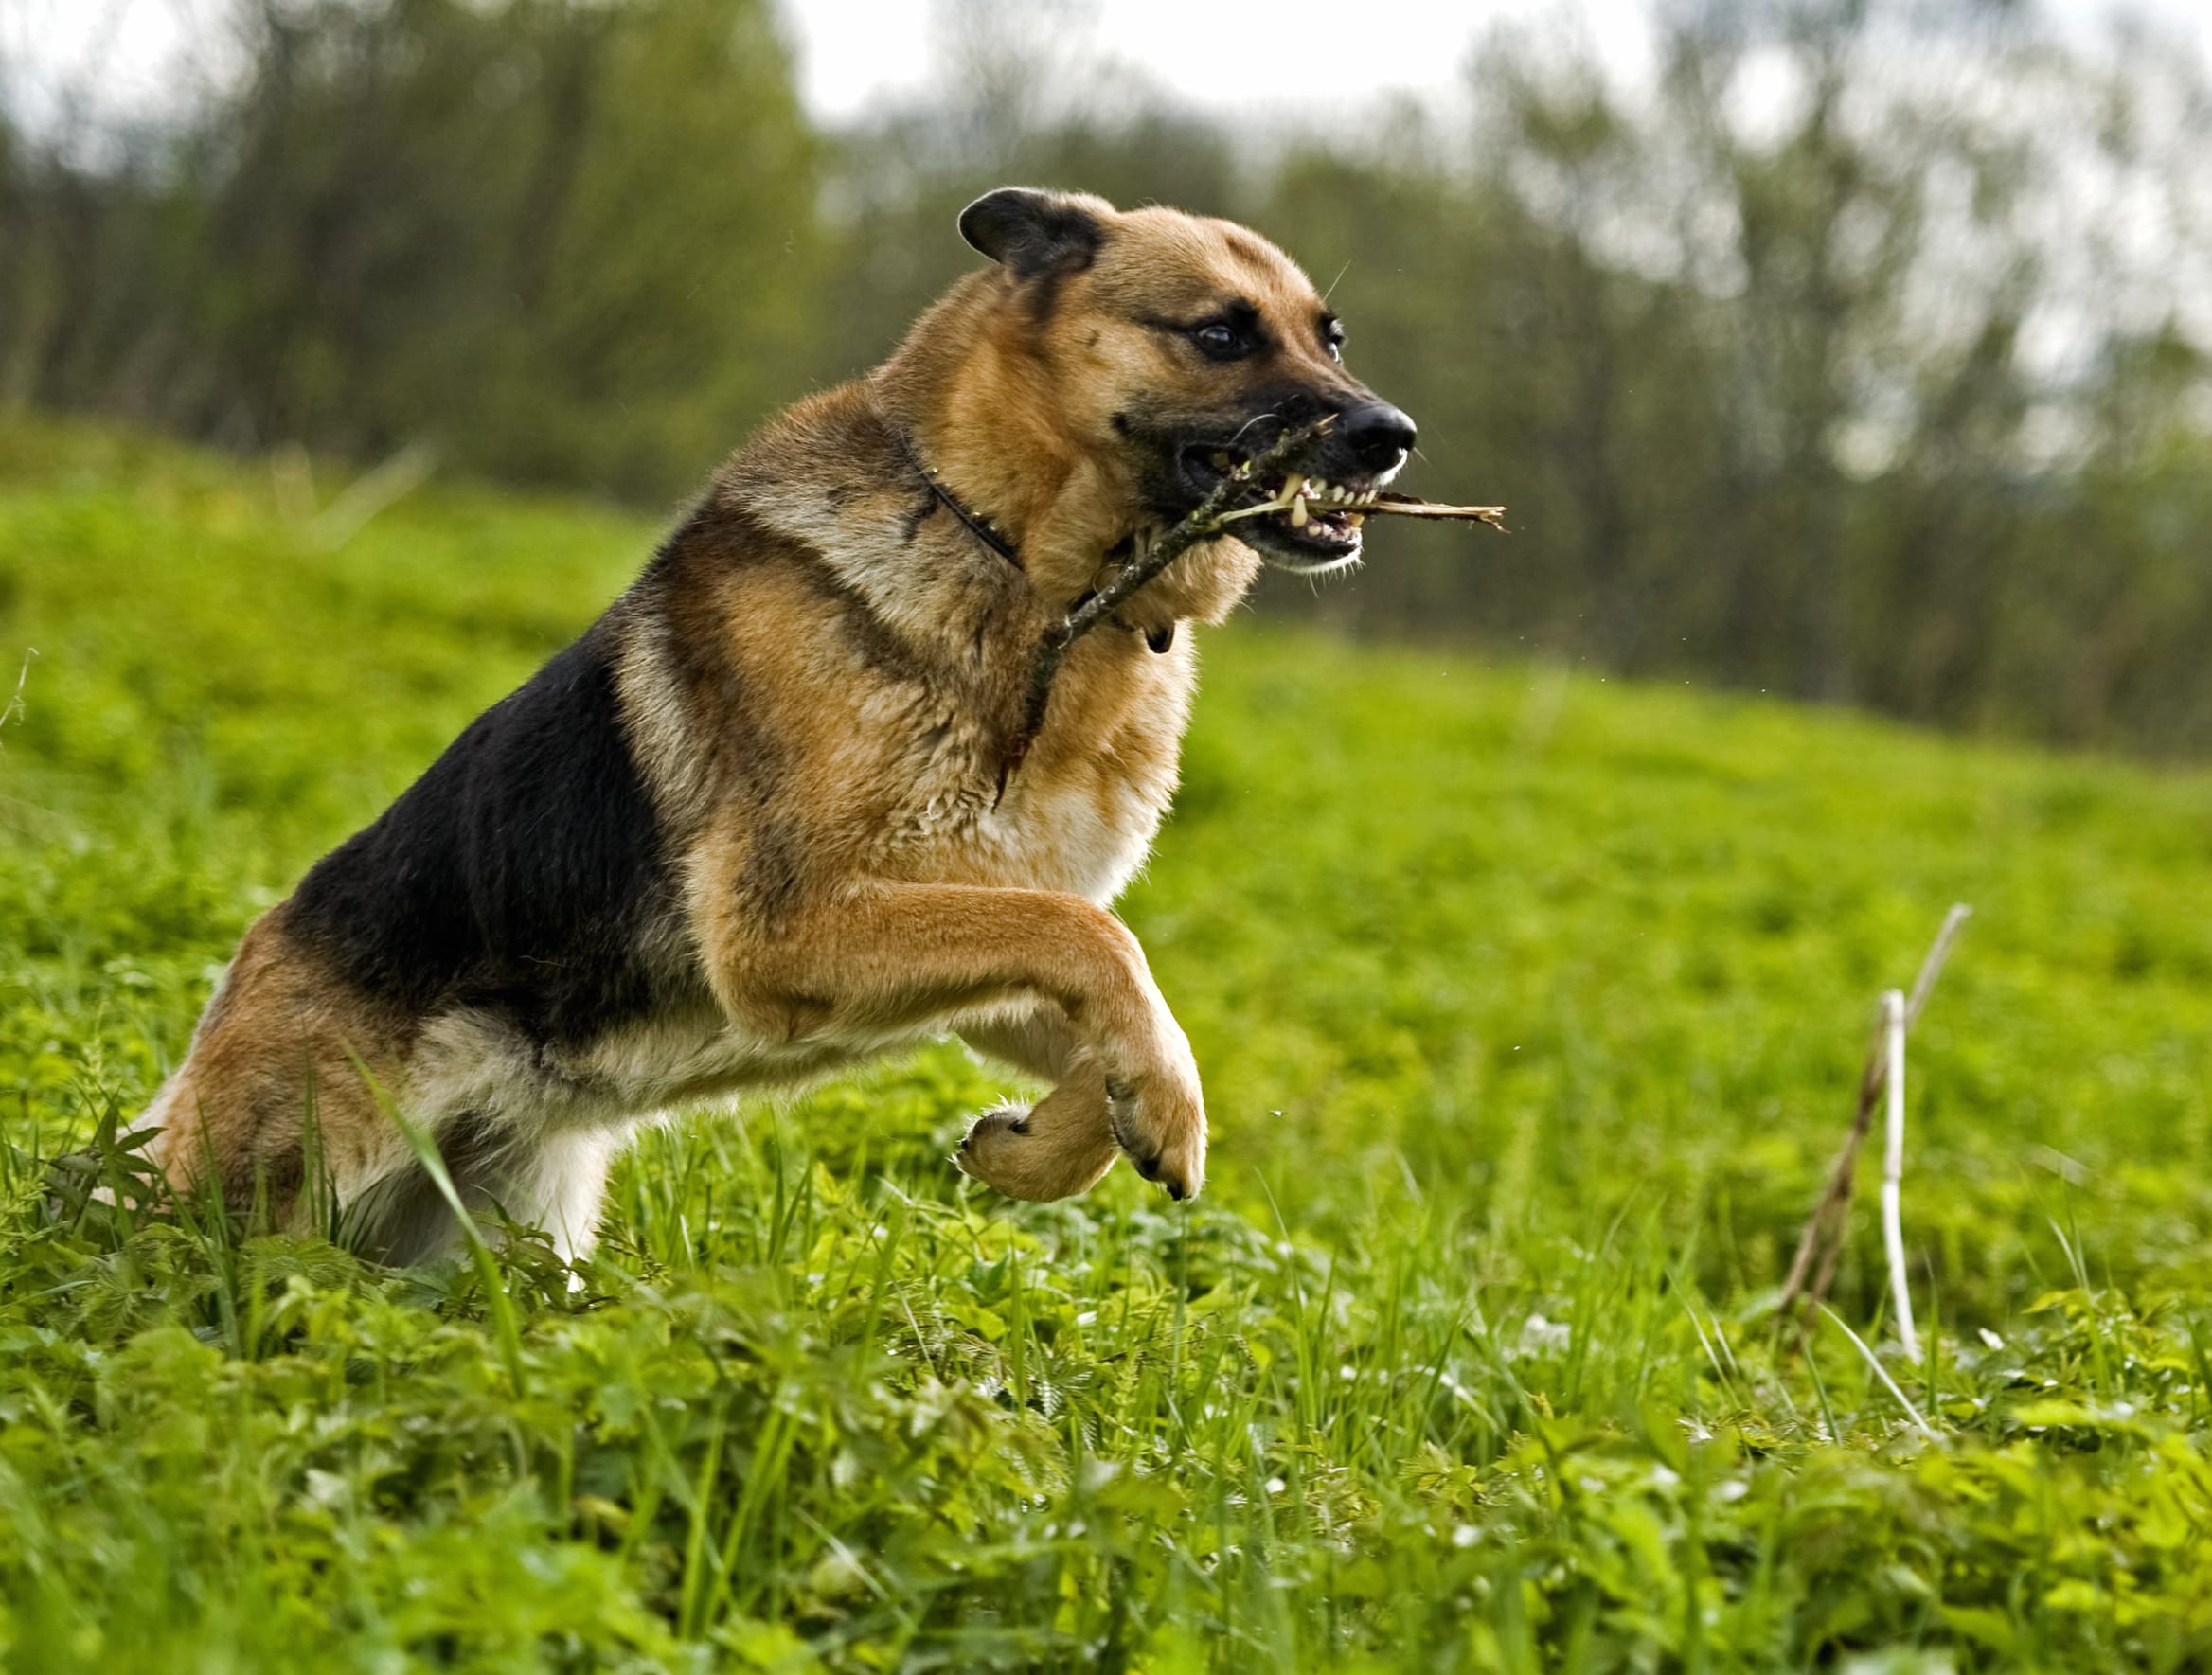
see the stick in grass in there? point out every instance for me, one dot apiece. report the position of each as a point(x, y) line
point(1823, 1236)
point(1212, 515)
point(1893, 1171)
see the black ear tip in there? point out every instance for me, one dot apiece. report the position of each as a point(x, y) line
point(977, 218)
point(990, 222)
point(1032, 231)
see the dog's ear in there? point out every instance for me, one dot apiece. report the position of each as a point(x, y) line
point(1032, 233)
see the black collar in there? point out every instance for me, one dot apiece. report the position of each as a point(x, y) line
point(976, 527)
point(1158, 639)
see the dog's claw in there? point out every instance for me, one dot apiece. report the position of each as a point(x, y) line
point(1166, 1160)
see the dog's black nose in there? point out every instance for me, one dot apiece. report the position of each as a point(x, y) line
point(1379, 434)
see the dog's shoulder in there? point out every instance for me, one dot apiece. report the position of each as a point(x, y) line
point(835, 491)
point(818, 610)
point(823, 663)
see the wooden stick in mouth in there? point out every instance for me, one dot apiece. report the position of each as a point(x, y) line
point(1405, 506)
point(1203, 523)
point(1210, 519)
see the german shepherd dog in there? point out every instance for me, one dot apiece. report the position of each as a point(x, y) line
point(753, 826)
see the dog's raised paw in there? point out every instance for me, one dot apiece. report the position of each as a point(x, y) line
point(1033, 1152)
point(992, 1150)
point(1011, 1119)
point(1175, 1161)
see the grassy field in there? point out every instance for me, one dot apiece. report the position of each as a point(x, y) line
point(1531, 1007)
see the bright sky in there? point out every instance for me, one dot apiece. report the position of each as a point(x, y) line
point(1315, 56)
point(1318, 59)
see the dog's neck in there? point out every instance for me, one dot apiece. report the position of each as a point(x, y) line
point(976, 524)
point(972, 422)
point(1048, 499)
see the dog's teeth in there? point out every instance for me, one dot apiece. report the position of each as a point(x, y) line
point(1318, 489)
point(1298, 512)
point(1291, 484)
point(1355, 519)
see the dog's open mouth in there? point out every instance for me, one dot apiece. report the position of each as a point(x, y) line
point(1309, 524)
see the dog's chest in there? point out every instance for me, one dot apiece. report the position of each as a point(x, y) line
point(1077, 815)
point(1086, 834)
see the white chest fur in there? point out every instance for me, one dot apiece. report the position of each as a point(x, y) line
point(1079, 815)
point(1088, 838)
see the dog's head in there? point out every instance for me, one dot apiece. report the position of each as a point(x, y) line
point(1178, 346)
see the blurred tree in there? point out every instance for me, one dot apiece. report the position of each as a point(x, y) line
point(1018, 96)
point(1798, 362)
point(1751, 356)
point(567, 242)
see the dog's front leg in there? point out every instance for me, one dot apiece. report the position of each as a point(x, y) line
point(879, 958)
point(1064, 1142)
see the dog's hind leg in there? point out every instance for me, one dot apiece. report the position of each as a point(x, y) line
point(403, 1216)
point(559, 1183)
point(554, 1183)
point(399, 1219)
point(1064, 1142)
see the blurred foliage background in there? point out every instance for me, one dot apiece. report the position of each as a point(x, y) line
point(1851, 355)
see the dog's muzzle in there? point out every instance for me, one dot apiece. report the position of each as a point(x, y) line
point(1318, 529)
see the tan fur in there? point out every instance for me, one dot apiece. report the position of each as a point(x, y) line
point(817, 680)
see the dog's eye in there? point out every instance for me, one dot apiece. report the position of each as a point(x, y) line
point(1332, 340)
point(1222, 340)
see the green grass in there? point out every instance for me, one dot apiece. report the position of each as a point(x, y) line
point(1531, 1007)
